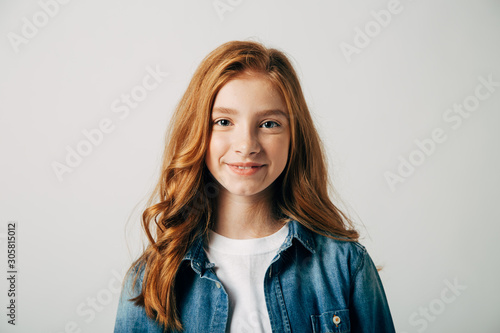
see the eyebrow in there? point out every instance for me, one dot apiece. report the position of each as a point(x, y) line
point(271, 112)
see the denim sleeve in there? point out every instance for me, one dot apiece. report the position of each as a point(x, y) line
point(131, 318)
point(369, 310)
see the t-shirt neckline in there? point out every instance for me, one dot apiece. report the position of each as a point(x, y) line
point(248, 246)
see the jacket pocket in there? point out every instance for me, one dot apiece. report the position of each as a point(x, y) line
point(331, 322)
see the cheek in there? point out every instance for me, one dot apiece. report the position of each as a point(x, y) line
point(279, 152)
point(215, 149)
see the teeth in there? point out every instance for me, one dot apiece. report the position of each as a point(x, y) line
point(240, 167)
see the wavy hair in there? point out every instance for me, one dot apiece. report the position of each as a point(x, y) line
point(182, 205)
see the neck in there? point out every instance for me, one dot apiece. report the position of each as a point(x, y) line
point(242, 217)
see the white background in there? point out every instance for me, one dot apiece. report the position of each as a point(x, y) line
point(440, 226)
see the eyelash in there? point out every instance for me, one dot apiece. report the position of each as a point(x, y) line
point(268, 121)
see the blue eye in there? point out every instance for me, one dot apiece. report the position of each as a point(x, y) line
point(267, 124)
point(222, 122)
point(270, 124)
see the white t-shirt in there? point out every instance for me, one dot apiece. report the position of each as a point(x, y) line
point(241, 264)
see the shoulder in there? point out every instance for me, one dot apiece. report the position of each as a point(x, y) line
point(132, 284)
point(131, 317)
point(324, 245)
point(131, 288)
point(335, 253)
point(338, 244)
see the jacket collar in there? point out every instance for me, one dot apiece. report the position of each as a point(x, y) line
point(301, 233)
point(199, 261)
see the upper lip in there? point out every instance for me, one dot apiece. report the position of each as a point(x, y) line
point(248, 164)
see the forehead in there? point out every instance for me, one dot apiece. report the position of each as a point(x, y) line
point(249, 93)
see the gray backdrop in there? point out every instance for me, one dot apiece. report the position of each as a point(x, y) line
point(406, 95)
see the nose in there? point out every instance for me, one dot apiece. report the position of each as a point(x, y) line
point(246, 142)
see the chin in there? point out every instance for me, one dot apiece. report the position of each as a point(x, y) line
point(243, 192)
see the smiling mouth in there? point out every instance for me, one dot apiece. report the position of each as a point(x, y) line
point(244, 168)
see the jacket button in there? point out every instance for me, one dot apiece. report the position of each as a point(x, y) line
point(336, 320)
point(217, 284)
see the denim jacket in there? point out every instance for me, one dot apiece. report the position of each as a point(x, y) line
point(313, 284)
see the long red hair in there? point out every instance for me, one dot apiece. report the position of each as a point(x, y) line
point(182, 206)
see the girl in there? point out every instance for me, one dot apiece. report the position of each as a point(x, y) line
point(243, 234)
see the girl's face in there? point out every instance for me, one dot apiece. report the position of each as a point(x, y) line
point(248, 148)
